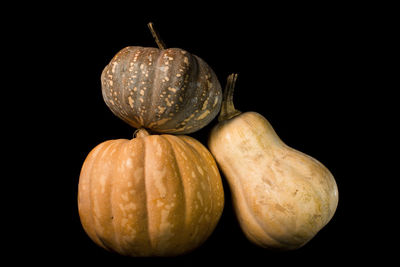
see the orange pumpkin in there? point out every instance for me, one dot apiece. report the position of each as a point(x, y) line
point(154, 195)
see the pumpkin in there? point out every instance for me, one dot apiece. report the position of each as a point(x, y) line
point(282, 197)
point(164, 90)
point(154, 195)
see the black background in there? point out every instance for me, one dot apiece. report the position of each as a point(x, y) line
point(312, 71)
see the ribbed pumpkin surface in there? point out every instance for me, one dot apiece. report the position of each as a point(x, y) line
point(158, 195)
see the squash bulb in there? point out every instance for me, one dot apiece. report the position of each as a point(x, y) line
point(154, 195)
point(281, 196)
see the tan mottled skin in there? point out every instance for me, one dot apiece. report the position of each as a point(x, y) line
point(157, 195)
point(165, 90)
point(281, 196)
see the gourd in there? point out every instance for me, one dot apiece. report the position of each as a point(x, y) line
point(281, 196)
point(164, 90)
point(154, 195)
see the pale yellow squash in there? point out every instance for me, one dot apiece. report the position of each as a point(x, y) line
point(154, 195)
point(281, 196)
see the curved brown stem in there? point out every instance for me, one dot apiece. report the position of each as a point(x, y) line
point(156, 36)
point(228, 110)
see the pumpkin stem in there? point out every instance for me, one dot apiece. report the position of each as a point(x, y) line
point(141, 132)
point(156, 36)
point(228, 110)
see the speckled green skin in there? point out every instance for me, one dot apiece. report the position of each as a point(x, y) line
point(164, 90)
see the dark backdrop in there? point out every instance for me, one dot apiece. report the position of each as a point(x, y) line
point(307, 69)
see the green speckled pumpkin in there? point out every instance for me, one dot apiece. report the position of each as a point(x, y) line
point(164, 90)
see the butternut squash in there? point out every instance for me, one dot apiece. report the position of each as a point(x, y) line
point(282, 197)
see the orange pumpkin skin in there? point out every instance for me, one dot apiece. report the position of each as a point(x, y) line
point(154, 195)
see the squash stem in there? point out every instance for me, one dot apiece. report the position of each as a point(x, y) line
point(228, 110)
point(156, 36)
point(141, 132)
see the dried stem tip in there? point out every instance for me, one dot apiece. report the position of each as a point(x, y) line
point(156, 36)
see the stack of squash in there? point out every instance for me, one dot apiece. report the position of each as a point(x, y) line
point(161, 194)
